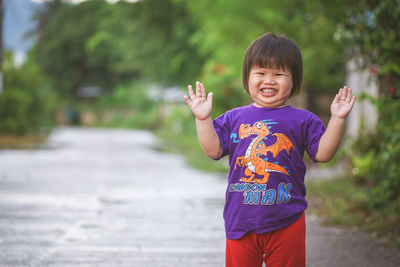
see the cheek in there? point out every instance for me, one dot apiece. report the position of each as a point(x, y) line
point(251, 83)
point(289, 84)
point(254, 81)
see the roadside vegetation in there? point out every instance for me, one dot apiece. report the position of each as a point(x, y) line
point(341, 201)
point(132, 53)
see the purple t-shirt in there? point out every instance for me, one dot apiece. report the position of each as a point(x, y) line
point(266, 188)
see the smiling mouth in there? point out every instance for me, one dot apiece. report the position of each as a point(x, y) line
point(269, 90)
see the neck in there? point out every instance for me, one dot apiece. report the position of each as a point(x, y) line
point(259, 106)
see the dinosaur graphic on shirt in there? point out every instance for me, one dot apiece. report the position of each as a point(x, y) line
point(252, 158)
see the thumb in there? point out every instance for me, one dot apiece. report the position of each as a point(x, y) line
point(210, 97)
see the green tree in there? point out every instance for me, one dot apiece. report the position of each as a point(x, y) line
point(372, 27)
point(62, 48)
point(227, 28)
point(43, 16)
point(161, 44)
point(99, 43)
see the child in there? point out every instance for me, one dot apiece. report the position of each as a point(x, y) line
point(265, 141)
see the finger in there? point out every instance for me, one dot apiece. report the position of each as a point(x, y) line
point(337, 98)
point(203, 91)
point(339, 94)
point(344, 93)
point(198, 90)
point(353, 100)
point(348, 98)
point(210, 97)
point(188, 101)
point(191, 94)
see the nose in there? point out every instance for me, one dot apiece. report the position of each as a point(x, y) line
point(269, 80)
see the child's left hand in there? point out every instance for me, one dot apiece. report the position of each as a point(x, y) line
point(343, 103)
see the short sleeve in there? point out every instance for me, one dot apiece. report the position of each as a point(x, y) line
point(222, 127)
point(314, 130)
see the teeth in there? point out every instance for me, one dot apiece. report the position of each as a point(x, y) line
point(268, 90)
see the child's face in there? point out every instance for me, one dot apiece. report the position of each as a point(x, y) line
point(270, 87)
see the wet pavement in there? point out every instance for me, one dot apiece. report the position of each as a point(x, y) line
point(104, 197)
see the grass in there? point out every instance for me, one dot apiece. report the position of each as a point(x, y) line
point(342, 202)
point(189, 147)
point(8, 141)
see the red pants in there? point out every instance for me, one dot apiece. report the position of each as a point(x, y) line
point(285, 247)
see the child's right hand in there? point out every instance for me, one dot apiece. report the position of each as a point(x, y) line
point(200, 106)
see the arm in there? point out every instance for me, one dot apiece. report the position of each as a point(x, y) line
point(330, 140)
point(201, 108)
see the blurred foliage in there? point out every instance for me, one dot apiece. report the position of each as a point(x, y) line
point(128, 41)
point(343, 203)
point(97, 43)
point(69, 52)
point(228, 27)
point(179, 135)
point(26, 104)
point(376, 157)
point(372, 28)
point(128, 106)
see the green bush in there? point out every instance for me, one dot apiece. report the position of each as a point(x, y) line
point(130, 107)
point(179, 135)
point(13, 111)
point(178, 121)
point(26, 105)
point(377, 158)
point(136, 120)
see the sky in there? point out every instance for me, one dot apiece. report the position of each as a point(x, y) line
point(17, 22)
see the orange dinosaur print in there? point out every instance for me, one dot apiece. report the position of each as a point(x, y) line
point(252, 160)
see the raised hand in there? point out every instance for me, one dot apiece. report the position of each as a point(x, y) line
point(342, 103)
point(200, 106)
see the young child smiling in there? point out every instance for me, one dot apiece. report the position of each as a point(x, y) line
point(266, 140)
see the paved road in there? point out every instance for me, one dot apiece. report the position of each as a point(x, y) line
point(100, 197)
